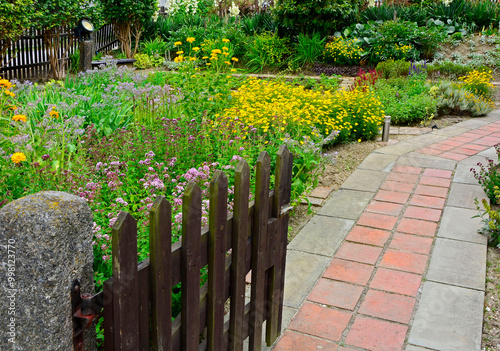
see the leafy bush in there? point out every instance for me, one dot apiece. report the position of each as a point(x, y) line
point(491, 219)
point(447, 68)
point(309, 16)
point(266, 50)
point(342, 51)
point(392, 69)
point(488, 177)
point(147, 61)
point(454, 97)
point(258, 23)
point(479, 83)
point(154, 47)
point(386, 12)
point(406, 99)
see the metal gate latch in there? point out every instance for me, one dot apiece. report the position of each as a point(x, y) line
point(85, 309)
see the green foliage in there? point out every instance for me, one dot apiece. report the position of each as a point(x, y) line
point(154, 47)
point(454, 98)
point(488, 177)
point(15, 17)
point(129, 18)
point(266, 50)
point(147, 61)
point(491, 219)
point(396, 40)
point(74, 62)
point(56, 13)
point(393, 69)
point(406, 99)
point(447, 68)
point(258, 23)
point(386, 12)
point(309, 16)
point(308, 49)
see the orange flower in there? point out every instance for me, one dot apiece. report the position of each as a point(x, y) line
point(19, 118)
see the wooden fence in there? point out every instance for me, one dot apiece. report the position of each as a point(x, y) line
point(137, 299)
point(27, 57)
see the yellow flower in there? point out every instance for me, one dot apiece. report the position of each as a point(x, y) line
point(18, 157)
point(208, 63)
point(216, 51)
point(5, 83)
point(192, 59)
point(234, 59)
point(177, 43)
point(227, 62)
point(233, 70)
point(225, 49)
point(19, 118)
point(225, 53)
point(204, 57)
point(54, 113)
point(13, 108)
point(10, 93)
point(179, 58)
point(180, 52)
point(196, 49)
point(225, 40)
point(190, 39)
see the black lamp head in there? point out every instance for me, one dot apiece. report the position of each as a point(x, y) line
point(83, 29)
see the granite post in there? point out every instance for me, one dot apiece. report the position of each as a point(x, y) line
point(86, 54)
point(45, 244)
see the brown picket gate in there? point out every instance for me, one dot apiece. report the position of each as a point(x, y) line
point(137, 308)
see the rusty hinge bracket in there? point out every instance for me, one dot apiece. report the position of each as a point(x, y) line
point(84, 308)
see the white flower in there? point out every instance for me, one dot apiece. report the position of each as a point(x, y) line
point(234, 11)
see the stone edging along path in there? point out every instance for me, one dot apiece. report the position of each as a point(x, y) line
point(393, 260)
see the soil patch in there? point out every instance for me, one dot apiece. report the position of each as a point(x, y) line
point(491, 326)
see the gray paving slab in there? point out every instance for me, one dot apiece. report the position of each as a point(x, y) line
point(452, 131)
point(365, 180)
point(448, 318)
point(457, 223)
point(420, 160)
point(464, 175)
point(473, 123)
point(458, 263)
point(418, 348)
point(489, 153)
point(464, 195)
point(378, 162)
point(346, 203)
point(473, 160)
point(322, 235)
point(429, 138)
point(400, 148)
point(301, 273)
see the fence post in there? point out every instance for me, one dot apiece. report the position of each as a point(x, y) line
point(45, 244)
point(86, 54)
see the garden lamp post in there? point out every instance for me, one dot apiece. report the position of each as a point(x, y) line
point(82, 32)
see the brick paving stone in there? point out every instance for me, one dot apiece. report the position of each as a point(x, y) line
point(320, 321)
point(466, 151)
point(475, 147)
point(431, 191)
point(428, 214)
point(392, 196)
point(396, 281)
point(480, 132)
point(401, 177)
point(485, 142)
point(370, 236)
point(429, 151)
point(359, 253)
point(431, 172)
point(321, 192)
point(314, 201)
point(491, 138)
point(404, 261)
point(435, 181)
point(398, 186)
point(412, 243)
point(342, 348)
point(460, 138)
point(407, 169)
point(453, 156)
point(387, 208)
point(427, 201)
point(418, 227)
point(334, 293)
point(294, 341)
point(451, 143)
point(376, 335)
point(470, 135)
point(377, 220)
point(348, 271)
point(384, 305)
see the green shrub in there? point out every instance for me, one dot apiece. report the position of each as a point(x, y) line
point(406, 99)
point(453, 98)
point(266, 50)
point(309, 16)
point(447, 68)
point(488, 177)
point(154, 47)
point(386, 12)
point(392, 69)
point(147, 61)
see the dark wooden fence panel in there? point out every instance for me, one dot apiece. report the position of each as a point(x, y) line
point(254, 239)
point(27, 57)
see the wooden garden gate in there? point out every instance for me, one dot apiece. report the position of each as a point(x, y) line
point(137, 308)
